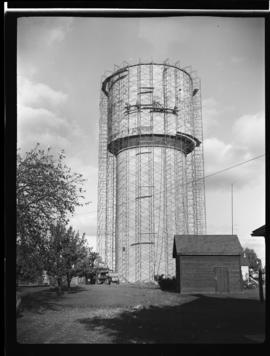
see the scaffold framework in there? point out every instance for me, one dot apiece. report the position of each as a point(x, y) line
point(151, 167)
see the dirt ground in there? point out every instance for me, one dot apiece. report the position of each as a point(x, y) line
point(138, 314)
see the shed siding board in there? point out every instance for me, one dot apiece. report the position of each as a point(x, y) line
point(197, 272)
point(240, 273)
point(177, 275)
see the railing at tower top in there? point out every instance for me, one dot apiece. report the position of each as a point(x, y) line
point(149, 101)
point(122, 71)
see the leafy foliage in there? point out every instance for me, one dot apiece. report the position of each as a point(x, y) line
point(166, 283)
point(29, 264)
point(65, 250)
point(47, 192)
point(253, 261)
point(87, 266)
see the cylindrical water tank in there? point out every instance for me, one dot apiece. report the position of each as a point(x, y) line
point(150, 86)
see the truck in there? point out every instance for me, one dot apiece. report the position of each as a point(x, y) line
point(113, 277)
point(102, 276)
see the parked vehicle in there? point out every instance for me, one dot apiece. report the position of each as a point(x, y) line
point(114, 277)
point(90, 278)
point(250, 284)
point(103, 277)
point(254, 275)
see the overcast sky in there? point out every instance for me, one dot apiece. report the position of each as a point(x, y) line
point(60, 65)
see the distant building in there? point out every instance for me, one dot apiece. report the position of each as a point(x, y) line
point(259, 232)
point(244, 268)
point(74, 281)
point(207, 263)
point(45, 278)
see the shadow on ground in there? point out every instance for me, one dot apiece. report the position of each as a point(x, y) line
point(203, 320)
point(41, 301)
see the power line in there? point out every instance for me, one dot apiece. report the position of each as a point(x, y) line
point(231, 167)
point(209, 175)
point(225, 169)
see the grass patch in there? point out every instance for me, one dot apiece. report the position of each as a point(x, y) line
point(133, 314)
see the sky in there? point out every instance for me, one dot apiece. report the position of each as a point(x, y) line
point(62, 60)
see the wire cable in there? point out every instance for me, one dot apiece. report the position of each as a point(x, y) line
point(234, 166)
point(207, 176)
point(226, 169)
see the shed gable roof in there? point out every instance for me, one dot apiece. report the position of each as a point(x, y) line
point(259, 232)
point(206, 245)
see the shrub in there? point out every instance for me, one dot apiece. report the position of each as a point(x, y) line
point(166, 283)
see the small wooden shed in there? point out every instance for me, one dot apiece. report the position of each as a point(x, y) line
point(207, 263)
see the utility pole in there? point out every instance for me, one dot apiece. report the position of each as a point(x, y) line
point(232, 205)
point(260, 281)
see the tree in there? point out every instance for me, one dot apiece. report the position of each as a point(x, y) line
point(29, 265)
point(86, 266)
point(253, 261)
point(65, 250)
point(47, 191)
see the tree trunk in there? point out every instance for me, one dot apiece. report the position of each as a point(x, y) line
point(68, 281)
point(59, 283)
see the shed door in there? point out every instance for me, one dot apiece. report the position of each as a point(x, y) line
point(222, 279)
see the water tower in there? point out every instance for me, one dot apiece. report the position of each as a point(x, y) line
point(151, 168)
